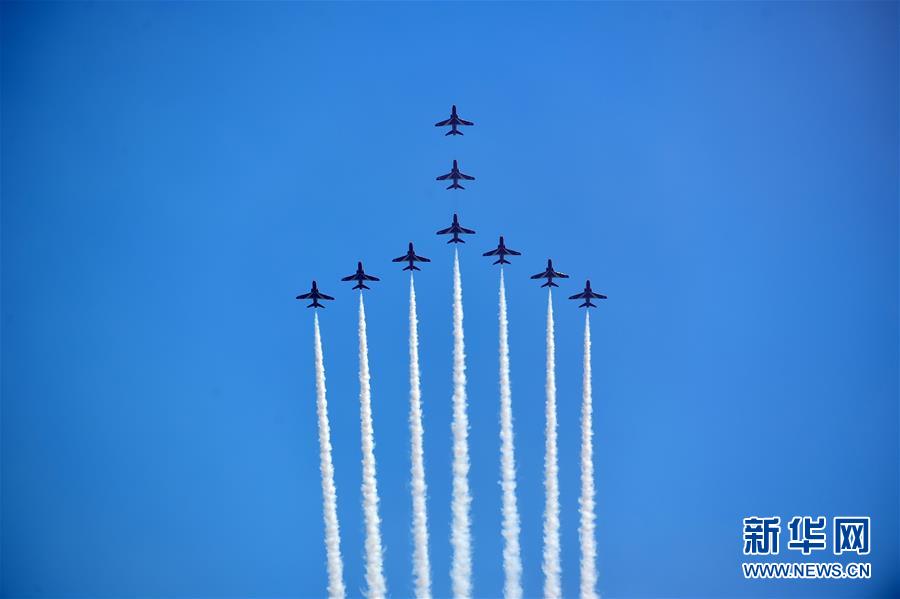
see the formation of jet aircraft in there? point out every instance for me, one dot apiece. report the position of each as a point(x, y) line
point(411, 257)
point(454, 121)
point(455, 230)
point(587, 295)
point(550, 274)
point(503, 252)
point(360, 277)
point(455, 175)
point(315, 295)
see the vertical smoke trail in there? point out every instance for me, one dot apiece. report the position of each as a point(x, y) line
point(329, 494)
point(460, 536)
point(586, 503)
point(512, 560)
point(551, 566)
point(374, 568)
point(421, 567)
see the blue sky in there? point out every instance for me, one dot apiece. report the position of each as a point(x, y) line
point(173, 174)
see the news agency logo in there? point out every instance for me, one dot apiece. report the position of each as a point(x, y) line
point(807, 534)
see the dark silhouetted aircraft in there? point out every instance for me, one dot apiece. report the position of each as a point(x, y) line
point(454, 121)
point(550, 274)
point(411, 257)
point(315, 295)
point(455, 175)
point(359, 276)
point(502, 251)
point(456, 229)
point(587, 295)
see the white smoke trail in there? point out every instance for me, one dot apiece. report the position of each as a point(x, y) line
point(421, 566)
point(374, 567)
point(586, 502)
point(329, 493)
point(460, 536)
point(512, 560)
point(551, 566)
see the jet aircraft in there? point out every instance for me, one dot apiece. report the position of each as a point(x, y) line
point(360, 276)
point(455, 175)
point(587, 295)
point(502, 251)
point(454, 121)
point(315, 295)
point(456, 229)
point(412, 258)
point(550, 274)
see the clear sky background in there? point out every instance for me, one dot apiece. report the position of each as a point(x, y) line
point(174, 174)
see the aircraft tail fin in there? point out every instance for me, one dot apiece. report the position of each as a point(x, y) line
point(455, 185)
point(412, 267)
point(453, 131)
point(361, 285)
point(550, 283)
point(588, 304)
point(501, 260)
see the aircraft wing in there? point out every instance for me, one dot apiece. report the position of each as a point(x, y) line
point(304, 295)
point(462, 122)
point(371, 278)
point(466, 177)
point(400, 259)
point(467, 231)
point(598, 295)
point(443, 177)
point(349, 277)
point(513, 252)
point(540, 275)
point(444, 231)
point(579, 296)
point(443, 123)
point(491, 253)
point(421, 259)
point(326, 297)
